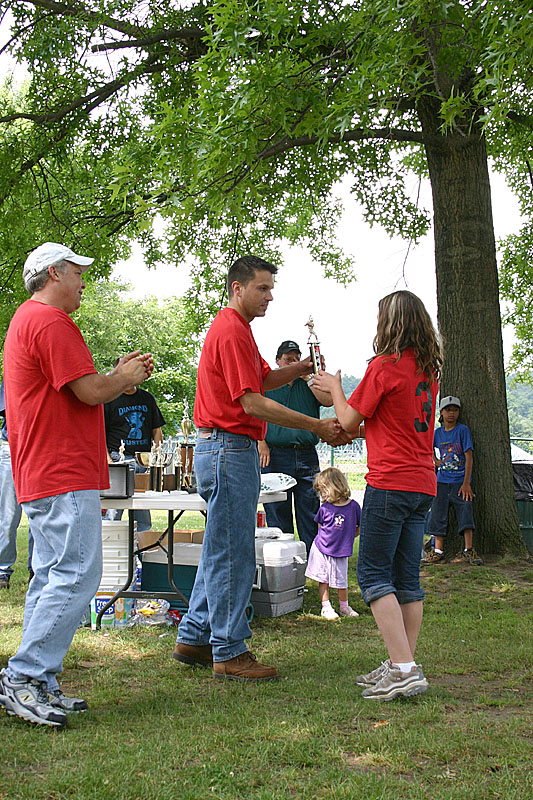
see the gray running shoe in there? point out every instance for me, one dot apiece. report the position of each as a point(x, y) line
point(69, 704)
point(373, 677)
point(28, 699)
point(4, 581)
point(395, 683)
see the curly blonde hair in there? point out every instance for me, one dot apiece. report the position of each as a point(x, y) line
point(332, 486)
point(404, 322)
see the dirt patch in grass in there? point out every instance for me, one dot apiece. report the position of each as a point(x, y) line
point(472, 691)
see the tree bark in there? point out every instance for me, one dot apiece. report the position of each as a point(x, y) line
point(470, 324)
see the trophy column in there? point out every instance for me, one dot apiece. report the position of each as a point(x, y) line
point(186, 451)
point(314, 346)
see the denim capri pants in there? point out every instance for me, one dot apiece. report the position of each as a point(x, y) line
point(390, 543)
point(448, 493)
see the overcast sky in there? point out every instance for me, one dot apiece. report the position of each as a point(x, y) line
point(344, 317)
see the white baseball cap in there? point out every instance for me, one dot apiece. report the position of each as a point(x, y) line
point(449, 401)
point(48, 254)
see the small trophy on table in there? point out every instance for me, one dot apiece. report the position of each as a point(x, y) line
point(314, 346)
point(156, 467)
point(187, 449)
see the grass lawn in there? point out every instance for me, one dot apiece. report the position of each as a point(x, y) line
point(157, 729)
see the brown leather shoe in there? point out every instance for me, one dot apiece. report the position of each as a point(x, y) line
point(195, 655)
point(244, 668)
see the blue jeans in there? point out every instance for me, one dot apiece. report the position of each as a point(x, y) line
point(142, 516)
point(10, 513)
point(448, 494)
point(227, 472)
point(390, 543)
point(67, 562)
point(302, 464)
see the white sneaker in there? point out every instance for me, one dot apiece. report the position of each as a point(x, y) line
point(396, 683)
point(348, 613)
point(329, 613)
point(371, 678)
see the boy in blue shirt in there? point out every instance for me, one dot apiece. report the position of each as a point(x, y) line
point(454, 443)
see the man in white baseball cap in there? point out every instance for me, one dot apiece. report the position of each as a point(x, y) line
point(54, 398)
point(49, 254)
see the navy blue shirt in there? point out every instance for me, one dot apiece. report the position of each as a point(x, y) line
point(452, 446)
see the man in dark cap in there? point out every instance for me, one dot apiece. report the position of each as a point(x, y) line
point(293, 452)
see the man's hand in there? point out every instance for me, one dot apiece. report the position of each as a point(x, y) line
point(306, 366)
point(330, 431)
point(466, 492)
point(264, 453)
point(136, 366)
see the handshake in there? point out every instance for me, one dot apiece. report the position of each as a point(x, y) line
point(336, 431)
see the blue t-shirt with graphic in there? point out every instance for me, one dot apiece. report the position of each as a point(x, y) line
point(452, 446)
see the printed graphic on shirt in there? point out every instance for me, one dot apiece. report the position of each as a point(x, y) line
point(339, 520)
point(135, 420)
point(452, 457)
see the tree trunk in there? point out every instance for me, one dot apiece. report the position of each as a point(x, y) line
point(470, 325)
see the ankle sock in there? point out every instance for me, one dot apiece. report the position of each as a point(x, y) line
point(344, 604)
point(440, 552)
point(405, 666)
point(326, 604)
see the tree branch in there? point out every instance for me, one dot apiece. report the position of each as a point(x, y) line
point(92, 99)
point(185, 35)
point(527, 121)
point(81, 12)
point(358, 134)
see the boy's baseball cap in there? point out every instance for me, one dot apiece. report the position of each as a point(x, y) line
point(287, 347)
point(449, 401)
point(51, 253)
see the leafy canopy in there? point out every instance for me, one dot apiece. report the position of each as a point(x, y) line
point(235, 120)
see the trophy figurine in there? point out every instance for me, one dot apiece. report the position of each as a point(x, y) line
point(121, 452)
point(156, 468)
point(187, 449)
point(314, 346)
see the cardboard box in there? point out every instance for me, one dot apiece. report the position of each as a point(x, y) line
point(150, 538)
point(142, 481)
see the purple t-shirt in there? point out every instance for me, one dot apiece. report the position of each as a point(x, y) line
point(337, 526)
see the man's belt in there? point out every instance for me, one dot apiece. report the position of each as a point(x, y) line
point(293, 446)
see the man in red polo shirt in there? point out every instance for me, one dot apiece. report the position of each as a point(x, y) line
point(230, 414)
point(54, 399)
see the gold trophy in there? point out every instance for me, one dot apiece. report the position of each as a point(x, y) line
point(187, 449)
point(314, 346)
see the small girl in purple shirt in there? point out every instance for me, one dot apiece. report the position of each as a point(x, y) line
point(338, 524)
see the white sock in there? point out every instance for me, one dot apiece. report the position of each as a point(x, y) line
point(326, 604)
point(405, 666)
point(440, 552)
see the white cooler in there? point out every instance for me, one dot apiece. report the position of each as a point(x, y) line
point(280, 576)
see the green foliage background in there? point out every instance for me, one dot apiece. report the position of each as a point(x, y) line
point(113, 325)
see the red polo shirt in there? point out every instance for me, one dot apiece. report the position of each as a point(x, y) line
point(230, 364)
